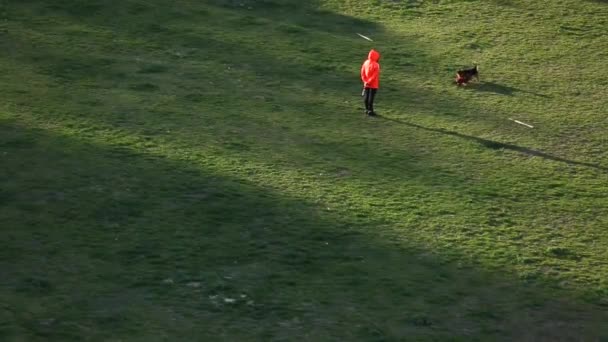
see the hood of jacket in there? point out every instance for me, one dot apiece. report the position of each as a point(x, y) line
point(373, 55)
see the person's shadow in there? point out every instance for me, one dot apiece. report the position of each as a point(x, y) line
point(495, 145)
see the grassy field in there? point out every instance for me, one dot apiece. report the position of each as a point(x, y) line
point(202, 170)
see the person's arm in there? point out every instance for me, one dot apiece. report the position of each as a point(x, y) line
point(363, 75)
point(370, 74)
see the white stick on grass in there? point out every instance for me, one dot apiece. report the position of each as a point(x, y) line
point(521, 123)
point(364, 37)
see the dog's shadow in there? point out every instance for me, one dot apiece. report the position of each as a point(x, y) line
point(502, 89)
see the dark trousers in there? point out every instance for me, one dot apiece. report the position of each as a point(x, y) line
point(369, 95)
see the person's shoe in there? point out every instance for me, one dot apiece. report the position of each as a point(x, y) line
point(372, 114)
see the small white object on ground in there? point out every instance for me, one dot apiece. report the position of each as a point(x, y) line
point(364, 37)
point(521, 123)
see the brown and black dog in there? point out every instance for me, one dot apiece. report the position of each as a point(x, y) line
point(464, 76)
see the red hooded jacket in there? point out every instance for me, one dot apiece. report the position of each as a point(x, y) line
point(370, 70)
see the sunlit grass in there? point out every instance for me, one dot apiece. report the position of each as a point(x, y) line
point(204, 170)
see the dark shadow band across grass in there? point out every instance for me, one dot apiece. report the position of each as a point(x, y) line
point(106, 243)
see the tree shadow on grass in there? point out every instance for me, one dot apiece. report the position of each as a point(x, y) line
point(102, 242)
point(306, 15)
point(495, 145)
point(291, 15)
point(177, 42)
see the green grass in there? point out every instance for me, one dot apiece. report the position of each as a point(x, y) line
point(202, 170)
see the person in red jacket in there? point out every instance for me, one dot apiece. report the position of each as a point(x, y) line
point(370, 75)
